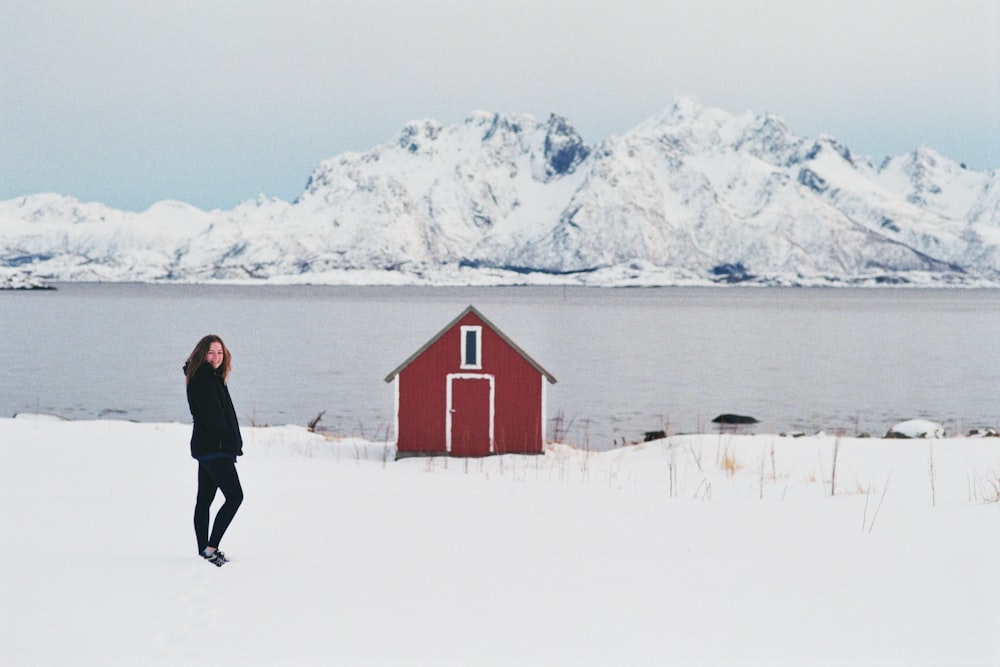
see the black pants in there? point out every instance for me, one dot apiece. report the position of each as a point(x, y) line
point(213, 476)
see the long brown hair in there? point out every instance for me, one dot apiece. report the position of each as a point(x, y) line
point(197, 357)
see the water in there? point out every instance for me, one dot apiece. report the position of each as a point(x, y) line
point(627, 360)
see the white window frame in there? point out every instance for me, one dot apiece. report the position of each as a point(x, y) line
point(478, 331)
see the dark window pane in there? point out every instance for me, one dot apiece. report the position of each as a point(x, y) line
point(470, 348)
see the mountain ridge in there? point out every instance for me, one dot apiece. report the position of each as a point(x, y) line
point(692, 195)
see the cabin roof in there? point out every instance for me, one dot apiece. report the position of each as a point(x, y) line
point(472, 309)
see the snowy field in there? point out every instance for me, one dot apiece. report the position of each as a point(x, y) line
point(697, 550)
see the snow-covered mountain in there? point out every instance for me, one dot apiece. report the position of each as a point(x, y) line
point(693, 194)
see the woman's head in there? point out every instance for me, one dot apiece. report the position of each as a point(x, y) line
point(212, 351)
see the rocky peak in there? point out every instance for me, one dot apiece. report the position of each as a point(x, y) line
point(563, 148)
point(685, 108)
point(825, 142)
point(417, 135)
point(768, 138)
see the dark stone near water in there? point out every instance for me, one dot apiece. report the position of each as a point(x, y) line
point(734, 419)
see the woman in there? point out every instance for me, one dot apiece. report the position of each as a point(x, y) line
point(215, 442)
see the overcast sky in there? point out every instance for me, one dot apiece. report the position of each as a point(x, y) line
point(214, 103)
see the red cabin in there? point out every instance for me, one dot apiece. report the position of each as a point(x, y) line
point(470, 391)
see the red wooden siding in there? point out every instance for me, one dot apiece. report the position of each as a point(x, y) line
point(423, 416)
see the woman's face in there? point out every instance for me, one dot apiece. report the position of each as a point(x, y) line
point(214, 355)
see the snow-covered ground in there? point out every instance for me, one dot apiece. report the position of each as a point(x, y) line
point(697, 550)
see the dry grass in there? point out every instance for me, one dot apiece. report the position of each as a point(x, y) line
point(729, 463)
point(984, 488)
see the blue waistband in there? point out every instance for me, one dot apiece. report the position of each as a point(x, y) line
point(217, 456)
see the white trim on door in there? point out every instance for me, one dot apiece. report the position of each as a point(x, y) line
point(451, 377)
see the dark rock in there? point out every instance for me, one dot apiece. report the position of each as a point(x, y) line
point(564, 149)
point(734, 419)
point(734, 272)
point(813, 181)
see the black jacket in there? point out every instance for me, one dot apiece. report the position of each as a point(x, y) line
point(215, 426)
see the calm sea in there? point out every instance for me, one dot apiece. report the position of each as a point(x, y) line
point(627, 360)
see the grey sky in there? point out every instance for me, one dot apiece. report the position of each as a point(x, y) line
point(214, 103)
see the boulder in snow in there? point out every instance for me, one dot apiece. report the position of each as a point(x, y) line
point(916, 428)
